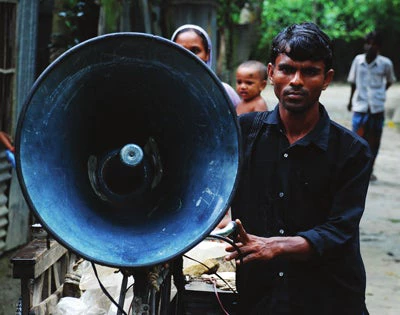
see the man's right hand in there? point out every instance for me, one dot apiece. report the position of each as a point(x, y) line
point(259, 248)
point(349, 107)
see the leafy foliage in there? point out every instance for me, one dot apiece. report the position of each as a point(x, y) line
point(341, 19)
point(229, 10)
point(346, 20)
point(73, 13)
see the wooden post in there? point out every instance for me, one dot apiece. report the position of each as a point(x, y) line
point(31, 264)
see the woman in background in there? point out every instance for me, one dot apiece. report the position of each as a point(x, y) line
point(196, 40)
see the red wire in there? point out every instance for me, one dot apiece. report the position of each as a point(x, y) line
point(214, 281)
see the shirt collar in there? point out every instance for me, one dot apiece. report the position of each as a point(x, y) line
point(373, 62)
point(273, 118)
point(319, 135)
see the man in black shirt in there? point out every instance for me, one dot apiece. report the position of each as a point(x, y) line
point(302, 192)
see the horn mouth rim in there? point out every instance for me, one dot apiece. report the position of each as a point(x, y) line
point(169, 253)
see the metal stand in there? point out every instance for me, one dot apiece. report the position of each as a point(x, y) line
point(151, 290)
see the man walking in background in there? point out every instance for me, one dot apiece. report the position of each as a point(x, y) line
point(370, 76)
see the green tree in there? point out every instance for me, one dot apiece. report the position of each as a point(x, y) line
point(341, 19)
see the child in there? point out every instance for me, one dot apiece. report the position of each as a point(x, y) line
point(251, 79)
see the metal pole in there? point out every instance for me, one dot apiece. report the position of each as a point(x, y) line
point(122, 293)
point(27, 28)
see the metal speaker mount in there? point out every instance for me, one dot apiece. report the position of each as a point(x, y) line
point(128, 150)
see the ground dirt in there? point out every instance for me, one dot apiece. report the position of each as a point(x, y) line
point(380, 225)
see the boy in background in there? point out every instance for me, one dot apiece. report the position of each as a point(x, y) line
point(251, 80)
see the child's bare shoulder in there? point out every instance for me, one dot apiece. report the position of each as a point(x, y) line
point(244, 107)
point(260, 104)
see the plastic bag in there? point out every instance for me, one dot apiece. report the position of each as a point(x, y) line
point(93, 301)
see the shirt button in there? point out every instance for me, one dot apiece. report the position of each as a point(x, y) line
point(281, 194)
point(281, 274)
point(281, 231)
point(285, 155)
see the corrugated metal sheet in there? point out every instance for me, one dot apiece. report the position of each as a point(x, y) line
point(5, 176)
point(7, 76)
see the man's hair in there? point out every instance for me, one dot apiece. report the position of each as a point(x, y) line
point(305, 41)
point(261, 68)
point(375, 37)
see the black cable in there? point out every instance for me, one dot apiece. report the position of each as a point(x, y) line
point(214, 273)
point(106, 292)
point(230, 242)
point(225, 239)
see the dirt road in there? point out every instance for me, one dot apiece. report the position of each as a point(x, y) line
point(380, 225)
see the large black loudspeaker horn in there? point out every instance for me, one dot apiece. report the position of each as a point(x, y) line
point(128, 150)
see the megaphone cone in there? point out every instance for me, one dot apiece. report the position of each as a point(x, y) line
point(127, 150)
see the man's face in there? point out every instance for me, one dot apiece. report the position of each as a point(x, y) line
point(371, 48)
point(298, 84)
